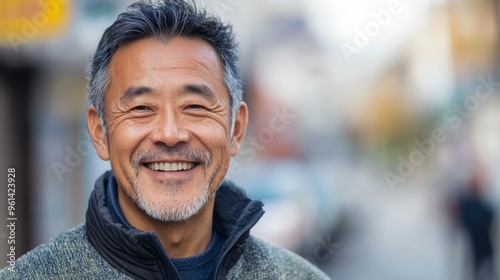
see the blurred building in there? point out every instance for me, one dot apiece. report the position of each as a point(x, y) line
point(366, 117)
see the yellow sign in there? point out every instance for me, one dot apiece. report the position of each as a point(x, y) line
point(24, 21)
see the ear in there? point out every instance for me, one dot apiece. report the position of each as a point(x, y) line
point(240, 127)
point(97, 134)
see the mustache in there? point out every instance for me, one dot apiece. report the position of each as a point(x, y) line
point(161, 152)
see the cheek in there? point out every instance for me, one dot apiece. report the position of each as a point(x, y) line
point(214, 138)
point(125, 139)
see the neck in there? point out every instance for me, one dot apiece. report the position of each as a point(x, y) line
point(179, 239)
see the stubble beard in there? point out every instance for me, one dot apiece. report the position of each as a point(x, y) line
point(170, 207)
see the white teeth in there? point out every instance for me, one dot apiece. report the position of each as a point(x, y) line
point(167, 166)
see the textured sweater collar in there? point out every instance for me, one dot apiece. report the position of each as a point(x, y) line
point(140, 255)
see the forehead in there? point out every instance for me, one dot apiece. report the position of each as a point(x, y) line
point(149, 61)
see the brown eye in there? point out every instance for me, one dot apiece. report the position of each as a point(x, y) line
point(195, 106)
point(141, 108)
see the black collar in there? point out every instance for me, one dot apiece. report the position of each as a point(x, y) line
point(140, 255)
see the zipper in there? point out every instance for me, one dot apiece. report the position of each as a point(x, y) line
point(250, 224)
point(166, 265)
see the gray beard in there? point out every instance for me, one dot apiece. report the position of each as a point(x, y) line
point(170, 208)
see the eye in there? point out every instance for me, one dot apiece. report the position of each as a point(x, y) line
point(195, 106)
point(140, 108)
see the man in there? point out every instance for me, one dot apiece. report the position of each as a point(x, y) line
point(167, 112)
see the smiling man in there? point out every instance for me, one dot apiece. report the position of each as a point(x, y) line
point(167, 112)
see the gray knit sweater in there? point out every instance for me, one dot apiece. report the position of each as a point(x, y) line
point(100, 249)
point(70, 256)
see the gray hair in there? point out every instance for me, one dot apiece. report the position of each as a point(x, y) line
point(164, 20)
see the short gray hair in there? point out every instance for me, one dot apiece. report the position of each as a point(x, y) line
point(164, 20)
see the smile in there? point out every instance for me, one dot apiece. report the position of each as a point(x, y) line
point(170, 166)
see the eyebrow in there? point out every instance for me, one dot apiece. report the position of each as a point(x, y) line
point(203, 90)
point(133, 92)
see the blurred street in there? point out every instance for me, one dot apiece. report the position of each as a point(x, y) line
point(374, 136)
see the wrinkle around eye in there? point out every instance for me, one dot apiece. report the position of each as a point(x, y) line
point(196, 106)
point(140, 112)
point(141, 108)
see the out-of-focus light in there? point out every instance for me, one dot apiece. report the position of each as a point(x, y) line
point(32, 20)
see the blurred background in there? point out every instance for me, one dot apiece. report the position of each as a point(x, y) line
point(374, 135)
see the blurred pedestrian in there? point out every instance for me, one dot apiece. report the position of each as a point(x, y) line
point(476, 216)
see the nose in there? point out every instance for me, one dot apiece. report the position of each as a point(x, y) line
point(170, 131)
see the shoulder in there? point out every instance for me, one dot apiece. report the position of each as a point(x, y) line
point(68, 256)
point(262, 260)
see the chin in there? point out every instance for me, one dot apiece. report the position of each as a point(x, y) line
point(172, 205)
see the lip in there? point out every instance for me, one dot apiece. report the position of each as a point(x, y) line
point(169, 160)
point(171, 175)
point(170, 166)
